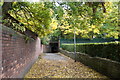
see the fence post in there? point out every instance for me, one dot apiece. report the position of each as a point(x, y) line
point(75, 45)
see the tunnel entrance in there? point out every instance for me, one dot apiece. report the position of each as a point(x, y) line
point(54, 47)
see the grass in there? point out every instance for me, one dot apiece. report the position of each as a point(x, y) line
point(115, 42)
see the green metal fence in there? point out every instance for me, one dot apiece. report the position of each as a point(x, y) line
point(95, 40)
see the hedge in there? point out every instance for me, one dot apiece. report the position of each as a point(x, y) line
point(109, 50)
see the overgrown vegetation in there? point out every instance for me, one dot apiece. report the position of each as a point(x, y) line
point(109, 50)
point(62, 19)
point(34, 16)
point(88, 20)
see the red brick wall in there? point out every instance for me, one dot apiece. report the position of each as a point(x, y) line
point(17, 54)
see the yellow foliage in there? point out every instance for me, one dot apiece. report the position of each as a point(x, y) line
point(30, 22)
point(93, 26)
point(76, 33)
point(90, 29)
point(65, 32)
point(54, 24)
point(70, 31)
point(62, 27)
point(51, 12)
point(54, 27)
point(114, 34)
point(67, 27)
point(66, 68)
point(96, 30)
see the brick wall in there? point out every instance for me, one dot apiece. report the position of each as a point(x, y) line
point(46, 48)
point(18, 54)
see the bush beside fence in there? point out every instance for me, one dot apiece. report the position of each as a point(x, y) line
point(110, 50)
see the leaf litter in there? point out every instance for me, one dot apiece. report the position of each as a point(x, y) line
point(45, 68)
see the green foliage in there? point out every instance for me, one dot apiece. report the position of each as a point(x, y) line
point(55, 19)
point(45, 40)
point(79, 16)
point(26, 39)
point(18, 27)
point(1, 3)
point(110, 50)
point(34, 16)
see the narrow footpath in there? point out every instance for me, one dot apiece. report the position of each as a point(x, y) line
point(56, 65)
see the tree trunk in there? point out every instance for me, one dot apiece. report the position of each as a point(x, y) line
point(5, 8)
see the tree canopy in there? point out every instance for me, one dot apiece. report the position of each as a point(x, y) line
point(48, 19)
point(87, 23)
